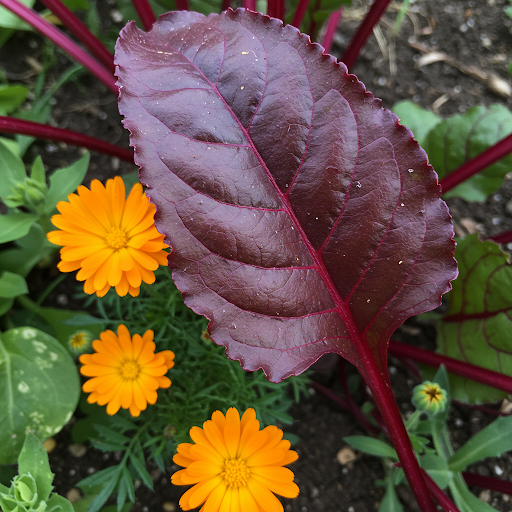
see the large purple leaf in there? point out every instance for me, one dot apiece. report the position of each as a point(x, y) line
point(303, 218)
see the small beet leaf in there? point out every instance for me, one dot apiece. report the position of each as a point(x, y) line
point(303, 218)
point(477, 326)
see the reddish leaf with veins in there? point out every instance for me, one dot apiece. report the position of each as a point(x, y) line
point(303, 218)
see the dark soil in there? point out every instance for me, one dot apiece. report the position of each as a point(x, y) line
point(473, 32)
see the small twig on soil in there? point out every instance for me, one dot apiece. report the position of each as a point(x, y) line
point(493, 81)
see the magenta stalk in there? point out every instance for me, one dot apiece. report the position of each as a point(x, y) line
point(332, 26)
point(363, 32)
point(59, 38)
point(386, 403)
point(487, 482)
point(43, 131)
point(441, 498)
point(145, 12)
point(467, 370)
point(182, 5)
point(81, 32)
point(226, 4)
point(275, 8)
point(481, 161)
point(249, 4)
point(502, 238)
point(299, 13)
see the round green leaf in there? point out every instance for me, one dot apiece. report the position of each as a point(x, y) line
point(39, 388)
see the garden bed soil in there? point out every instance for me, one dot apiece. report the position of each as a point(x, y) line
point(475, 33)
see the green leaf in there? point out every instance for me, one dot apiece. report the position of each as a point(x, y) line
point(113, 508)
point(99, 478)
point(437, 467)
point(58, 503)
point(371, 446)
point(13, 170)
point(11, 97)
point(83, 504)
point(39, 388)
point(10, 20)
point(11, 145)
point(390, 502)
point(38, 172)
point(15, 225)
point(27, 252)
point(75, 5)
point(491, 441)
point(141, 470)
point(65, 181)
point(129, 484)
point(5, 305)
point(466, 501)
point(33, 459)
point(112, 435)
point(419, 120)
point(101, 498)
point(12, 285)
point(58, 320)
point(477, 327)
point(40, 113)
point(454, 141)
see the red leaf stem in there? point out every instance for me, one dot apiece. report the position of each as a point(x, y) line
point(312, 24)
point(487, 482)
point(364, 31)
point(249, 4)
point(444, 501)
point(331, 395)
point(502, 238)
point(388, 407)
point(81, 32)
point(300, 12)
point(226, 4)
point(145, 12)
point(483, 408)
point(44, 131)
point(332, 26)
point(467, 370)
point(182, 5)
point(59, 38)
point(275, 8)
point(481, 161)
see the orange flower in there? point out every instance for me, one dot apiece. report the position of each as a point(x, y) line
point(110, 238)
point(235, 466)
point(125, 372)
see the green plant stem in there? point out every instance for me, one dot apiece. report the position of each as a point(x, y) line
point(28, 304)
point(411, 422)
point(400, 18)
point(50, 288)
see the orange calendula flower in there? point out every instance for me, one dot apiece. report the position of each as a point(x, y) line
point(111, 238)
point(235, 466)
point(125, 371)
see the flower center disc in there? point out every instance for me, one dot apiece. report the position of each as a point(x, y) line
point(78, 340)
point(130, 370)
point(116, 239)
point(235, 473)
point(433, 393)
